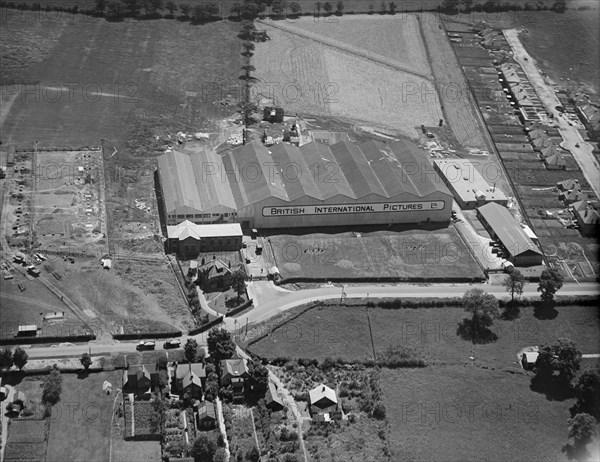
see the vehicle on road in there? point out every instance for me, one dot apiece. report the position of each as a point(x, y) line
point(146, 345)
point(173, 343)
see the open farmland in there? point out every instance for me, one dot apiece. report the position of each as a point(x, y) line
point(76, 98)
point(378, 37)
point(471, 414)
point(321, 75)
point(343, 331)
point(411, 254)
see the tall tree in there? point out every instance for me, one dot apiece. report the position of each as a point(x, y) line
point(581, 428)
point(551, 282)
point(186, 10)
point(86, 360)
point(558, 361)
point(6, 359)
point(339, 8)
point(190, 350)
point(20, 358)
point(115, 9)
point(328, 8)
point(258, 376)
point(393, 7)
point(133, 7)
point(587, 392)
point(483, 307)
point(238, 282)
point(100, 6)
point(220, 345)
point(171, 7)
point(514, 283)
point(295, 8)
point(204, 448)
point(52, 387)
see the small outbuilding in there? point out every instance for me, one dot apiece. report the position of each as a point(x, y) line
point(206, 416)
point(528, 360)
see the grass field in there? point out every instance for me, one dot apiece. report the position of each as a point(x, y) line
point(343, 331)
point(80, 425)
point(467, 413)
point(322, 70)
point(381, 254)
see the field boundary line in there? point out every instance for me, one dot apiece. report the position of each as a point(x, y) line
point(371, 333)
point(374, 57)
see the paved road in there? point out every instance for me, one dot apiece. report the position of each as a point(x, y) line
point(271, 300)
point(573, 141)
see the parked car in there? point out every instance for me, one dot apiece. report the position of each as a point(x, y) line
point(146, 345)
point(33, 271)
point(173, 343)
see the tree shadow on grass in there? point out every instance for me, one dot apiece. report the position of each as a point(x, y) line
point(544, 310)
point(551, 388)
point(83, 374)
point(512, 311)
point(480, 336)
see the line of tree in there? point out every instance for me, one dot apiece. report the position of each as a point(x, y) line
point(117, 10)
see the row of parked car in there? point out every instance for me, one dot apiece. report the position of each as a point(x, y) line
point(151, 344)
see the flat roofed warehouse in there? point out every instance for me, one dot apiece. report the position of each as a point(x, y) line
point(318, 185)
point(469, 187)
point(501, 224)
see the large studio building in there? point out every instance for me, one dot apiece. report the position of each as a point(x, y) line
point(315, 185)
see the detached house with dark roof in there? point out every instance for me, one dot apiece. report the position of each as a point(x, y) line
point(140, 380)
point(235, 372)
point(190, 379)
point(214, 275)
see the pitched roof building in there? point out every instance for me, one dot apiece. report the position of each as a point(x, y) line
point(499, 222)
point(312, 185)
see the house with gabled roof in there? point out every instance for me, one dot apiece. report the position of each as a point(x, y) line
point(190, 379)
point(273, 399)
point(140, 380)
point(206, 416)
point(322, 400)
point(235, 372)
point(215, 275)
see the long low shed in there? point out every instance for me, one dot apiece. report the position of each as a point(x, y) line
point(500, 223)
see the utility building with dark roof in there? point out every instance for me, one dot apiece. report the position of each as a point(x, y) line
point(315, 185)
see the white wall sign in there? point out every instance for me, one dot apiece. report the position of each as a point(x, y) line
point(354, 208)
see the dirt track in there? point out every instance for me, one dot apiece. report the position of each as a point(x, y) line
point(455, 95)
point(374, 57)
